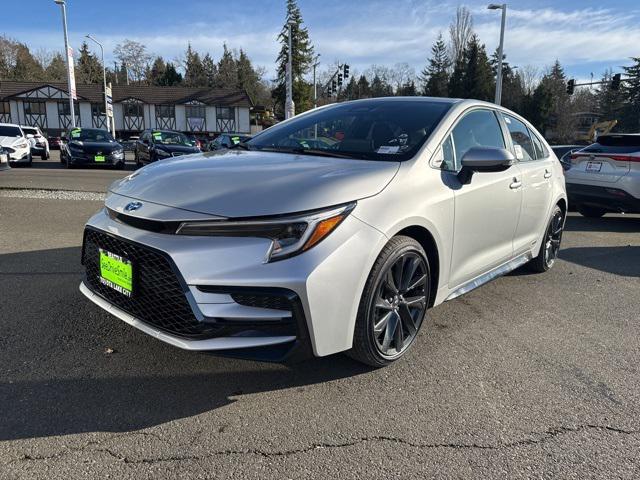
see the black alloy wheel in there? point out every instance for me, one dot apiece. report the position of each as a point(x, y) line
point(394, 303)
point(551, 243)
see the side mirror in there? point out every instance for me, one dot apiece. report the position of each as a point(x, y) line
point(145, 141)
point(484, 159)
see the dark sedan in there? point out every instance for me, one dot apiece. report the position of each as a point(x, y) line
point(155, 145)
point(91, 147)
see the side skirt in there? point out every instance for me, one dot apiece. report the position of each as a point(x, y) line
point(491, 275)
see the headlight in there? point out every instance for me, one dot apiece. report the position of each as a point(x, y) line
point(22, 145)
point(289, 235)
point(76, 145)
point(162, 153)
point(117, 153)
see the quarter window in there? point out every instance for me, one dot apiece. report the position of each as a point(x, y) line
point(541, 151)
point(522, 143)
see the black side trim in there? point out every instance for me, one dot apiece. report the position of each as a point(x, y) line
point(143, 223)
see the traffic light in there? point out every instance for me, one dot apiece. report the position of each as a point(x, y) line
point(615, 82)
point(339, 79)
point(334, 87)
point(571, 85)
point(346, 71)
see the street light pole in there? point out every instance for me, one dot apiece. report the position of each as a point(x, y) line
point(503, 7)
point(289, 107)
point(66, 47)
point(104, 80)
point(315, 85)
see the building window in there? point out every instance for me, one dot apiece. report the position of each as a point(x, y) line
point(5, 112)
point(166, 116)
point(35, 113)
point(64, 114)
point(133, 113)
point(196, 118)
point(226, 119)
point(98, 117)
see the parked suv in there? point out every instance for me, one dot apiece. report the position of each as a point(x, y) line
point(605, 176)
point(91, 147)
point(277, 248)
point(39, 143)
point(15, 144)
point(156, 145)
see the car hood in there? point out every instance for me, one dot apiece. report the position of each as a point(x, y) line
point(177, 148)
point(250, 184)
point(93, 147)
point(9, 141)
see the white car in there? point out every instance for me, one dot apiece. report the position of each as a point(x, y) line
point(605, 176)
point(39, 143)
point(15, 143)
point(332, 231)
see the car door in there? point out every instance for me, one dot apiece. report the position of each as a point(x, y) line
point(488, 207)
point(536, 167)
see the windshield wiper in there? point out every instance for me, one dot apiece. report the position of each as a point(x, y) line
point(315, 151)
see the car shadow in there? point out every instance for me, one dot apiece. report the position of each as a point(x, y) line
point(618, 224)
point(58, 378)
point(624, 261)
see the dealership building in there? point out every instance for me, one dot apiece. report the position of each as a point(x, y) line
point(206, 111)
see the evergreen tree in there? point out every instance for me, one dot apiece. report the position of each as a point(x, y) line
point(631, 91)
point(301, 61)
point(456, 80)
point(194, 74)
point(380, 88)
point(560, 123)
point(56, 71)
point(171, 75)
point(350, 92)
point(478, 79)
point(210, 69)
point(88, 69)
point(610, 102)
point(408, 90)
point(435, 76)
point(537, 108)
point(26, 67)
point(227, 76)
point(158, 72)
point(512, 87)
point(250, 79)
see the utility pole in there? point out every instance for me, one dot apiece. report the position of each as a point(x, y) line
point(104, 82)
point(289, 106)
point(503, 7)
point(71, 81)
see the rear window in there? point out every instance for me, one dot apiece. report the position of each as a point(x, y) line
point(615, 144)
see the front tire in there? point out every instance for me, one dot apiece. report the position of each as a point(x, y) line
point(591, 212)
point(393, 305)
point(550, 244)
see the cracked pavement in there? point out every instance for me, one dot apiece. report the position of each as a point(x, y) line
point(530, 376)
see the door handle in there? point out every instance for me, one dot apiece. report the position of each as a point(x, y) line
point(516, 184)
point(547, 174)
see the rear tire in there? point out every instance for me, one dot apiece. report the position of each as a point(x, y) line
point(591, 212)
point(550, 244)
point(395, 296)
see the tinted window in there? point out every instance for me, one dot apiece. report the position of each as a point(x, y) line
point(7, 131)
point(541, 151)
point(522, 144)
point(479, 128)
point(90, 135)
point(615, 144)
point(28, 131)
point(448, 155)
point(377, 129)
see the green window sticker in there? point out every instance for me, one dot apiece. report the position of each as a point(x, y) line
point(235, 140)
point(157, 135)
point(75, 133)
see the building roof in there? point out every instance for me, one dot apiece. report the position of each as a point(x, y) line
point(145, 93)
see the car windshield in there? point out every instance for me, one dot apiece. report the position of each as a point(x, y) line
point(9, 131)
point(377, 129)
point(171, 138)
point(90, 135)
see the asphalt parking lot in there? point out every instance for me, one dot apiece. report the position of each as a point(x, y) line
point(530, 376)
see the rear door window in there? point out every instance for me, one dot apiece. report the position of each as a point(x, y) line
point(522, 143)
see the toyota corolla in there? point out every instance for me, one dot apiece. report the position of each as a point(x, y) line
point(333, 231)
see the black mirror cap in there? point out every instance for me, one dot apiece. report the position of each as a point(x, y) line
point(484, 159)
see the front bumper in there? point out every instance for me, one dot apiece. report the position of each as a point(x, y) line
point(18, 156)
point(88, 159)
point(609, 198)
point(324, 286)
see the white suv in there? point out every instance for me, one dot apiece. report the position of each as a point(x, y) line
point(605, 176)
point(15, 143)
point(39, 143)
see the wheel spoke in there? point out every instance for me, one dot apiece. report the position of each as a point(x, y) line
point(398, 336)
point(390, 281)
point(408, 273)
point(407, 319)
point(383, 304)
point(413, 300)
point(390, 331)
point(399, 271)
point(417, 283)
point(382, 324)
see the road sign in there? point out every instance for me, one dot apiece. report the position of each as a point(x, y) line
point(72, 76)
point(109, 102)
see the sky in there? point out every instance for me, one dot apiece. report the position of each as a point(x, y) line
point(586, 36)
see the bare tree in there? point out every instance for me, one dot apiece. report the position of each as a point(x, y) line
point(43, 57)
point(460, 32)
point(530, 77)
point(8, 56)
point(402, 74)
point(134, 55)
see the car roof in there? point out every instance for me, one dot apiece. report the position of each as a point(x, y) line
point(10, 125)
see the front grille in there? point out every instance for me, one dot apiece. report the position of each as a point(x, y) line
point(158, 295)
